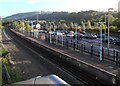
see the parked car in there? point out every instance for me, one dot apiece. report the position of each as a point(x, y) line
point(90, 36)
point(51, 32)
point(70, 35)
point(72, 32)
point(40, 31)
point(118, 41)
point(98, 35)
point(78, 35)
point(112, 40)
point(83, 32)
point(58, 33)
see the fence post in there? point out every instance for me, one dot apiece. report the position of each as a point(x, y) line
point(77, 44)
point(91, 50)
point(45, 37)
point(67, 43)
point(58, 40)
point(74, 45)
point(108, 51)
point(117, 58)
point(84, 47)
point(114, 54)
point(71, 42)
point(102, 54)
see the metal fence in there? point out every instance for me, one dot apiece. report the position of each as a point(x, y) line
point(80, 46)
point(110, 54)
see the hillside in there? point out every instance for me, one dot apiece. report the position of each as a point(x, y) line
point(21, 16)
point(93, 16)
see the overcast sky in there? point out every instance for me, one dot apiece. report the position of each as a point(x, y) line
point(9, 7)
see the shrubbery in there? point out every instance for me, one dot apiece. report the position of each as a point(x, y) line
point(14, 76)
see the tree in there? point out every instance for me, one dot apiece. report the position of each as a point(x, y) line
point(103, 26)
point(65, 26)
point(71, 25)
point(27, 27)
point(15, 25)
point(88, 24)
point(83, 24)
point(117, 23)
point(96, 24)
point(21, 24)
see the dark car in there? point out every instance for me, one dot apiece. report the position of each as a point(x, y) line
point(118, 41)
point(78, 35)
point(90, 36)
point(83, 32)
point(98, 35)
point(112, 40)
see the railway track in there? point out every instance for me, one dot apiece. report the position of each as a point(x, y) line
point(87, 78)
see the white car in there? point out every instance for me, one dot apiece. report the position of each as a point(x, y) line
point(70, 35)
point(51, 32)
point(59, 33)
point(72, 32)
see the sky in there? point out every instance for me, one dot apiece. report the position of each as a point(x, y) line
point(10, 7)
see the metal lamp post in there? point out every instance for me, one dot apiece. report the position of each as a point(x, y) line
point(50, 33)
point(105, 27)
point(37, 18)
point(109, 28)
point(101, 57)
point(76, 30)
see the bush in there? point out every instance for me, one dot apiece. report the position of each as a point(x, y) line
point(113, 28)
point(15, 77)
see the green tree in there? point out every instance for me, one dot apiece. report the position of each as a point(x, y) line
point(22, 24)
point(103, 26)
point(71, 25)
point(27, 27)
point(88, 24)
point(65, 26)
point(117, 23)
point(96, 24)
point(111, 18)
point(83, 24)
point(15, 25)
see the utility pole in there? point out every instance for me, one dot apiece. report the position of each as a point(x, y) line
point(50, 34)
point(76, 30)
point(37, 18)
point(101, 57)
point(109, 28)
point(105, 27)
